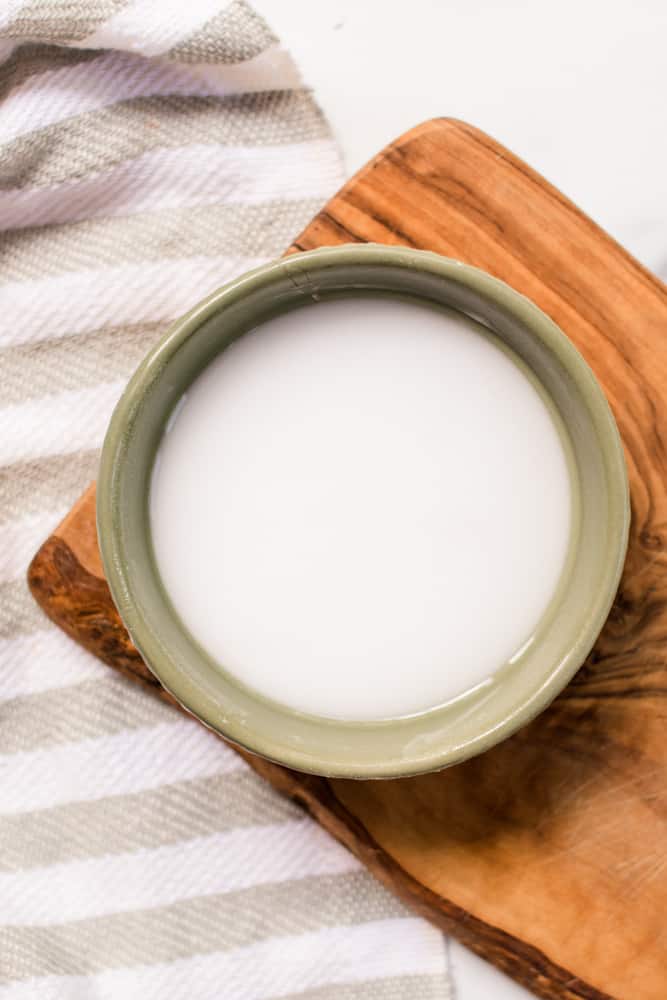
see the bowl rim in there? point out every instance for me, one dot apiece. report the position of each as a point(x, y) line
point(298, 269)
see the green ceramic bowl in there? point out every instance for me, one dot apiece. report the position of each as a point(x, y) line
point(520, 689)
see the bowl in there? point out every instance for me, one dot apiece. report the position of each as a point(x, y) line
point(521, 688)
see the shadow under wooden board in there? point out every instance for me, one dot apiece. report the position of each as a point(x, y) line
point(547, 855)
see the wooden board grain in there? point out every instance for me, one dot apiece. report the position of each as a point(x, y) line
point(547, 855)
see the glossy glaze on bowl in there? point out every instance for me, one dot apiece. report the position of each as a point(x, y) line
point(440, 736)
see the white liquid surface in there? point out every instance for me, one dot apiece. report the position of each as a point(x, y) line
point(362, 508)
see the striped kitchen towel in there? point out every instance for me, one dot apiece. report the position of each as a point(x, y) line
point(148, 152)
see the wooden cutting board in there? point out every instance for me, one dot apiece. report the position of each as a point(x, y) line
point(547, 855)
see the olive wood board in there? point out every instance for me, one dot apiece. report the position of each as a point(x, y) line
point(548, 854)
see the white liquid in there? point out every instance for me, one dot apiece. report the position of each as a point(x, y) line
point(362, 508)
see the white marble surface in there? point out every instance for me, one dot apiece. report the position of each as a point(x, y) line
point(575, 88)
